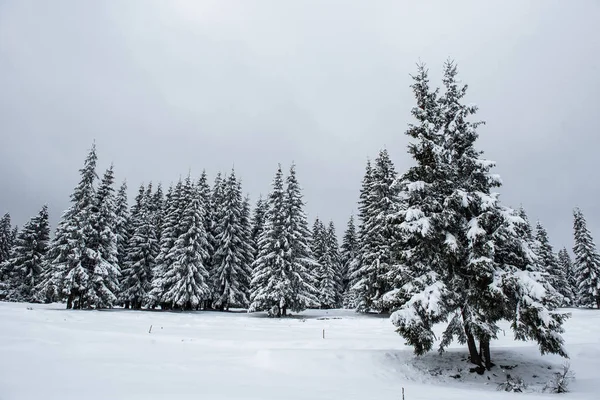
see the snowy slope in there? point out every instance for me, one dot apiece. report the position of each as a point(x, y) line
point(51, 353)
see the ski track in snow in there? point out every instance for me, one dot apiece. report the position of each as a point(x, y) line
point(52, 353)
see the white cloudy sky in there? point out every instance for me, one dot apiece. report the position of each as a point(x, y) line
point(168, 86)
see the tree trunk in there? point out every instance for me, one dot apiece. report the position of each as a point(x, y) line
point(474, 356)
point(284, 313)
point(70, 301)
point(485, 346)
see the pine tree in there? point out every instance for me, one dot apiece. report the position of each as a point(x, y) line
point(565, 263)
point(158, 210)
point(300, 258)
point(356, 264)
point(5, 247)
point(248, 251)
point(140, 260)
point(71, 273)
point(281, 278)
point(102, 247)
point(465, 261)
point(258, 223)
point(349, 252)
point(587, 263)
point(5, 238)
point(214, 215)
point(231, 275)
point(322, 271)
point(185, 281)
point(171, 230)
point(28, 263)
point(556, 275)
point(382, 200)
point(122, 222)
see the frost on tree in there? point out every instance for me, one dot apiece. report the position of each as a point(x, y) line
point(587, 263)
point(281, 278)
point(324, 271)
point(232, 258)
point(466, 264)
point(102, 247)
point(349, 251)
point(141, 250)
point(258, 223)
point(554, 271)
point(564, 260)
point(379, 203)
point(122, 224)
point(186, 281)
point(70, 258)
point(28, 264)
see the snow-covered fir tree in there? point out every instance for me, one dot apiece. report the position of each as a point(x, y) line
point(249, 250)
point(323, 270)
point(465, 263)
point(258, 222)
point(363, 236)
point(5, 247)
point(70, 274)
point(28, 264)
point(215, 214)
point(382, 199)
point(232, 269)
point(349, 252)
point(173, 211)
point(281, 278)
point(102, 246)
point(141, 249)
point(587, 263)
point(5, 237)
point(297, 235)
point(122, 224)
point(555, 272)
point(186, 281)
point(333, 248)
point(565, 262)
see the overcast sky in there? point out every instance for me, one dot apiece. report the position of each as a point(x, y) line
point(170, 86)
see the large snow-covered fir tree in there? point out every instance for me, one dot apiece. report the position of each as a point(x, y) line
point(140, 260)
point(465, 263)
point(281, 278)
point(566, 264)
point(28, 264)
point(186, 280)
point(555, 272)
point(587, 263)
point(232, 269)
point(381, 200)
point(102, 246)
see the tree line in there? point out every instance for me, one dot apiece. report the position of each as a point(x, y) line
point(433, 245)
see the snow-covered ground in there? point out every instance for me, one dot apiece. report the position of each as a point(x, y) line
point(47, 352)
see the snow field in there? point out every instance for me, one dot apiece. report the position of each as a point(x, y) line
point(50, 353)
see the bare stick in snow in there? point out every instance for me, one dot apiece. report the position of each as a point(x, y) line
point(150, 330)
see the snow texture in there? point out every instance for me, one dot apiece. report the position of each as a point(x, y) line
point(100, 355)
